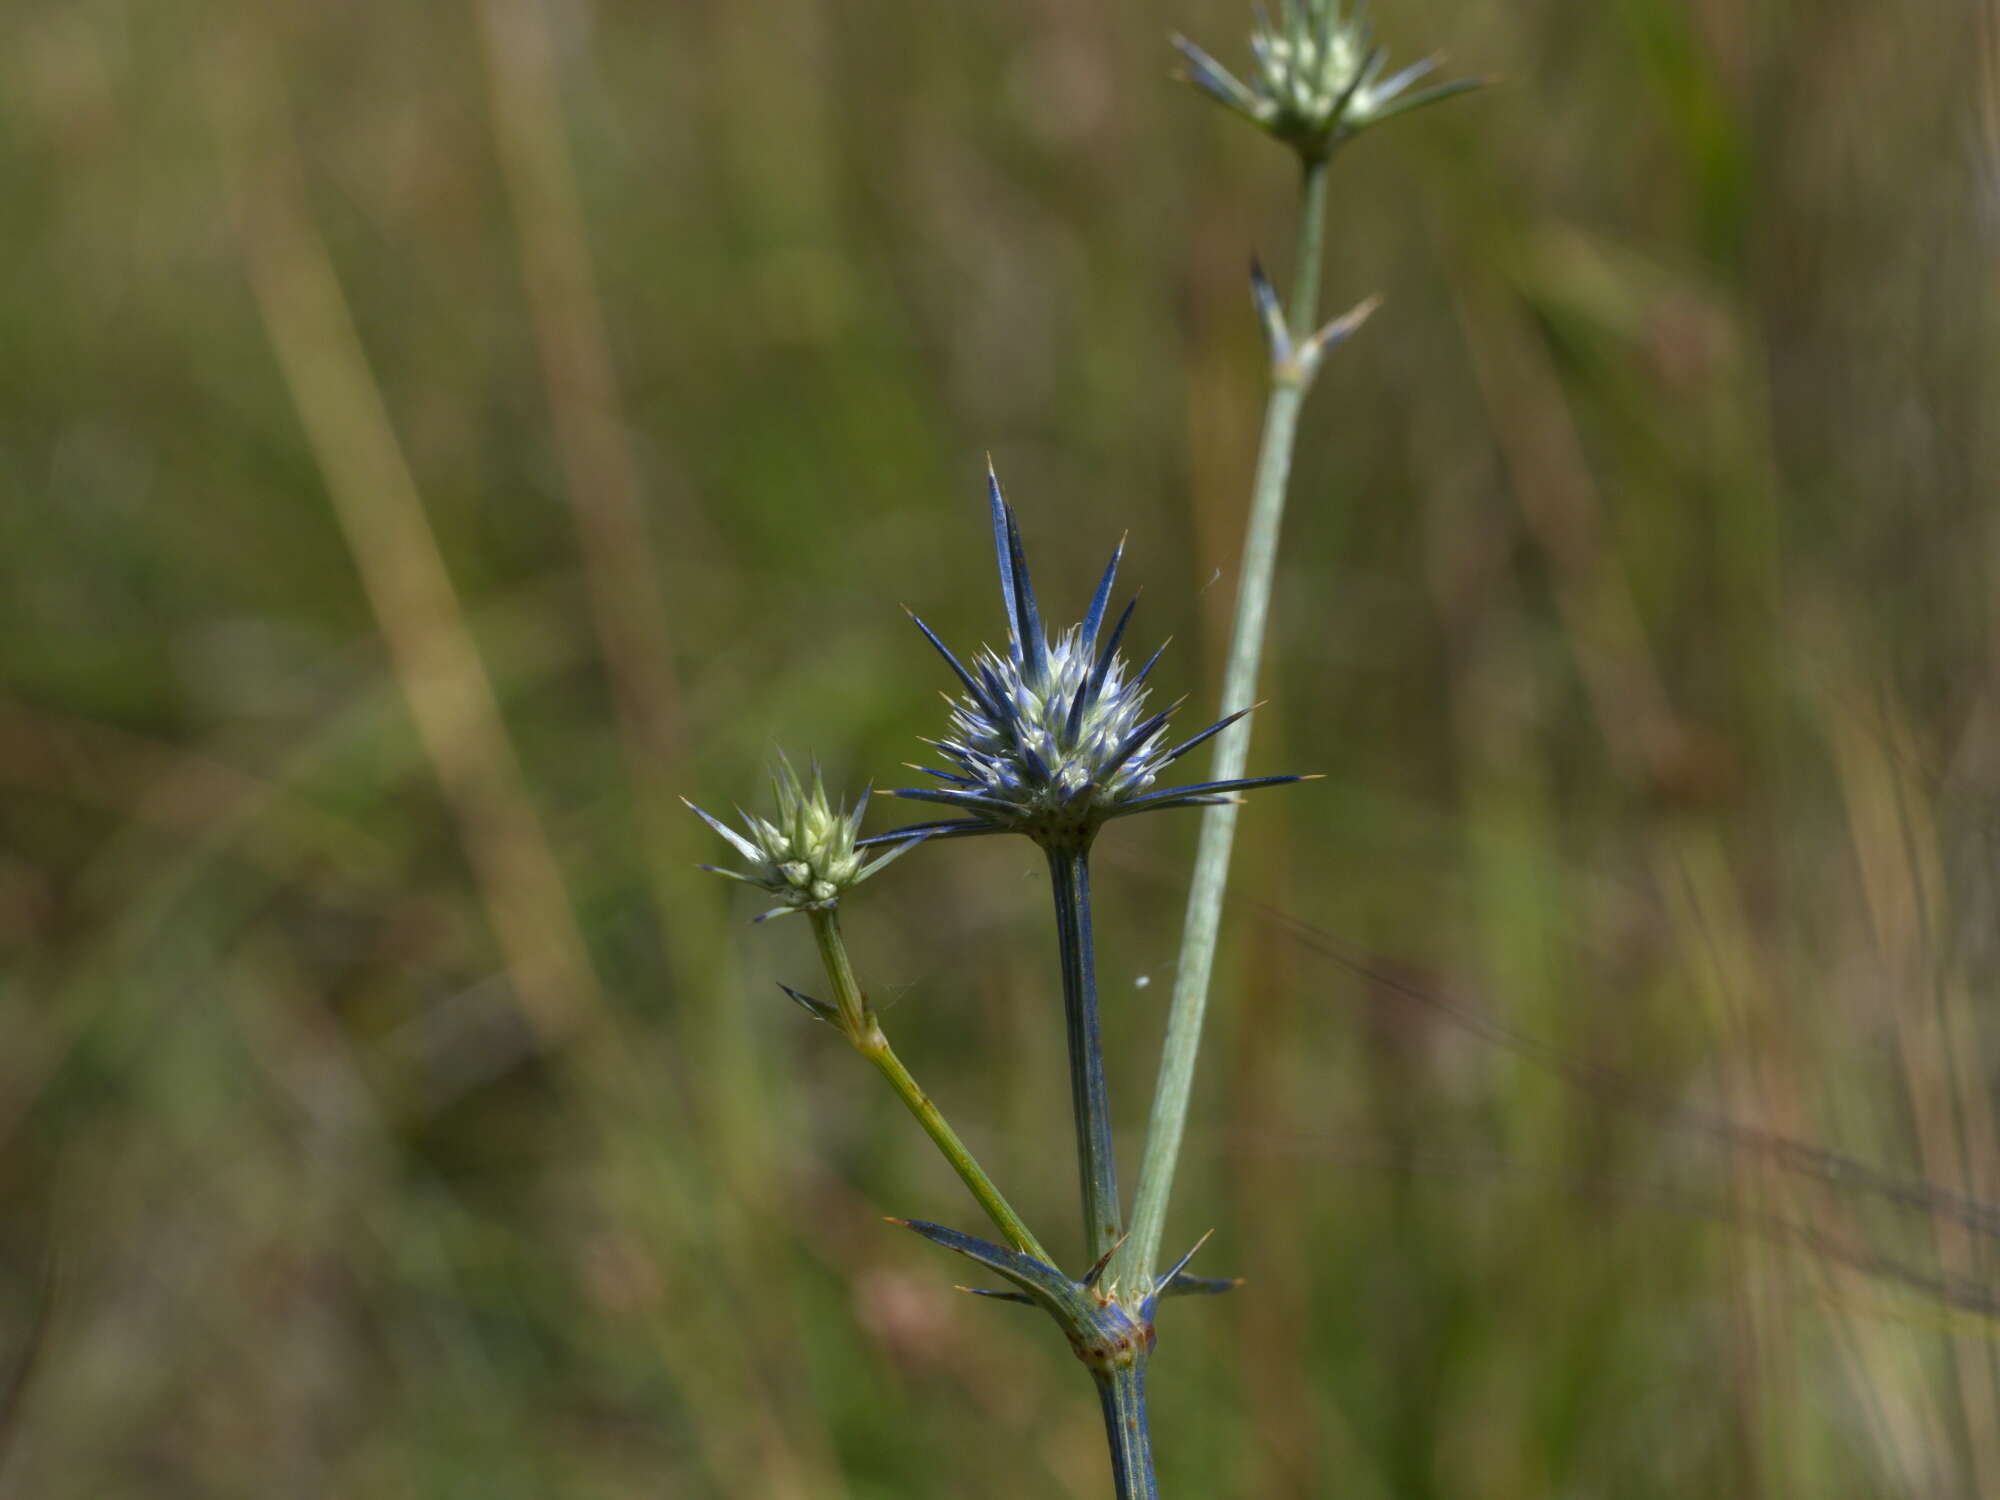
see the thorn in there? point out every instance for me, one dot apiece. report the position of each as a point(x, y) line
point(982, 1291)
point(819, 1010)
point(1333, 335)
point(1271, 313)
point(1181, 1264)
point(1097, 1267)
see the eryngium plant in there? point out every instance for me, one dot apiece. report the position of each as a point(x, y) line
point(1318, 77)
point(1052, 739)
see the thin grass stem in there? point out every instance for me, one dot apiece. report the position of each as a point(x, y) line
point(1138, 1257)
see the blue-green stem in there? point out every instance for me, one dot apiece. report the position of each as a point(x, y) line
point(1097, 1165)
point(1121, 1371)
point(858, 1022)
point(1138, 1258)
point(1122, 1391)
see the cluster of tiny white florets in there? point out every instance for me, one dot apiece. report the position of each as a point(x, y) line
point(806, 856)
point(1047, 756)
point(1304, 74)
point(1318, 76)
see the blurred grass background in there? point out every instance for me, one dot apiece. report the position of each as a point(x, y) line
point(432, 437)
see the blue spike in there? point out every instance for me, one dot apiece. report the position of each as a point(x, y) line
point(1185, 1285)
point(1207, 734)
point(1044, 1283)
point(969, 801)
point(1208, 794)
point(1034, 761)
point(952, 662)
point(1008, 721)
point(1181, 1264)
point(1270, 313)
point(819, 1010)
point(1035, 644)
point(1002, 525)
point(1004, 712)
point(945, 828)
point(1103, 668)
point(1155, 804)
point(1244, 784)
point(1132, 742)
point(1151, 662)
point(1073, 720)
point(981, 1291)
point(1094, 616)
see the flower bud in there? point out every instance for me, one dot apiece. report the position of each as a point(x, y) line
point(807, 856)
point(1318, 76)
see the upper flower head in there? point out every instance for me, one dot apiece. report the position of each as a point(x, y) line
point(1052, 739)
point(808, 856)
point(1318, 78)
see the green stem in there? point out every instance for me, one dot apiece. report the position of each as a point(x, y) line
point(1122, 1391)
point(1097, 1163)
point(1138, 1257)
point(857, 1020)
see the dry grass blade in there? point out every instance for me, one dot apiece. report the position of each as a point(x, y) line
point(382, 515)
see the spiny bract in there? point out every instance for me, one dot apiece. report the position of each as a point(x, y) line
point(810, 854)
point(1318, 78)
point(1052, 739)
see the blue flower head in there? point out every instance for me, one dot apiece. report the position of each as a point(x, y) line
point(1318, 76)
point(1053, 739)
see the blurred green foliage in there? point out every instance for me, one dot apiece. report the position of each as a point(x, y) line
point(387, 1109)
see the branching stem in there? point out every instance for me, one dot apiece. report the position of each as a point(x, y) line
point(1138, 1257)
point(858, 1022)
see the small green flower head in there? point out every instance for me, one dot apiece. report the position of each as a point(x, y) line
point(1318, 78)
point(806, 856)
